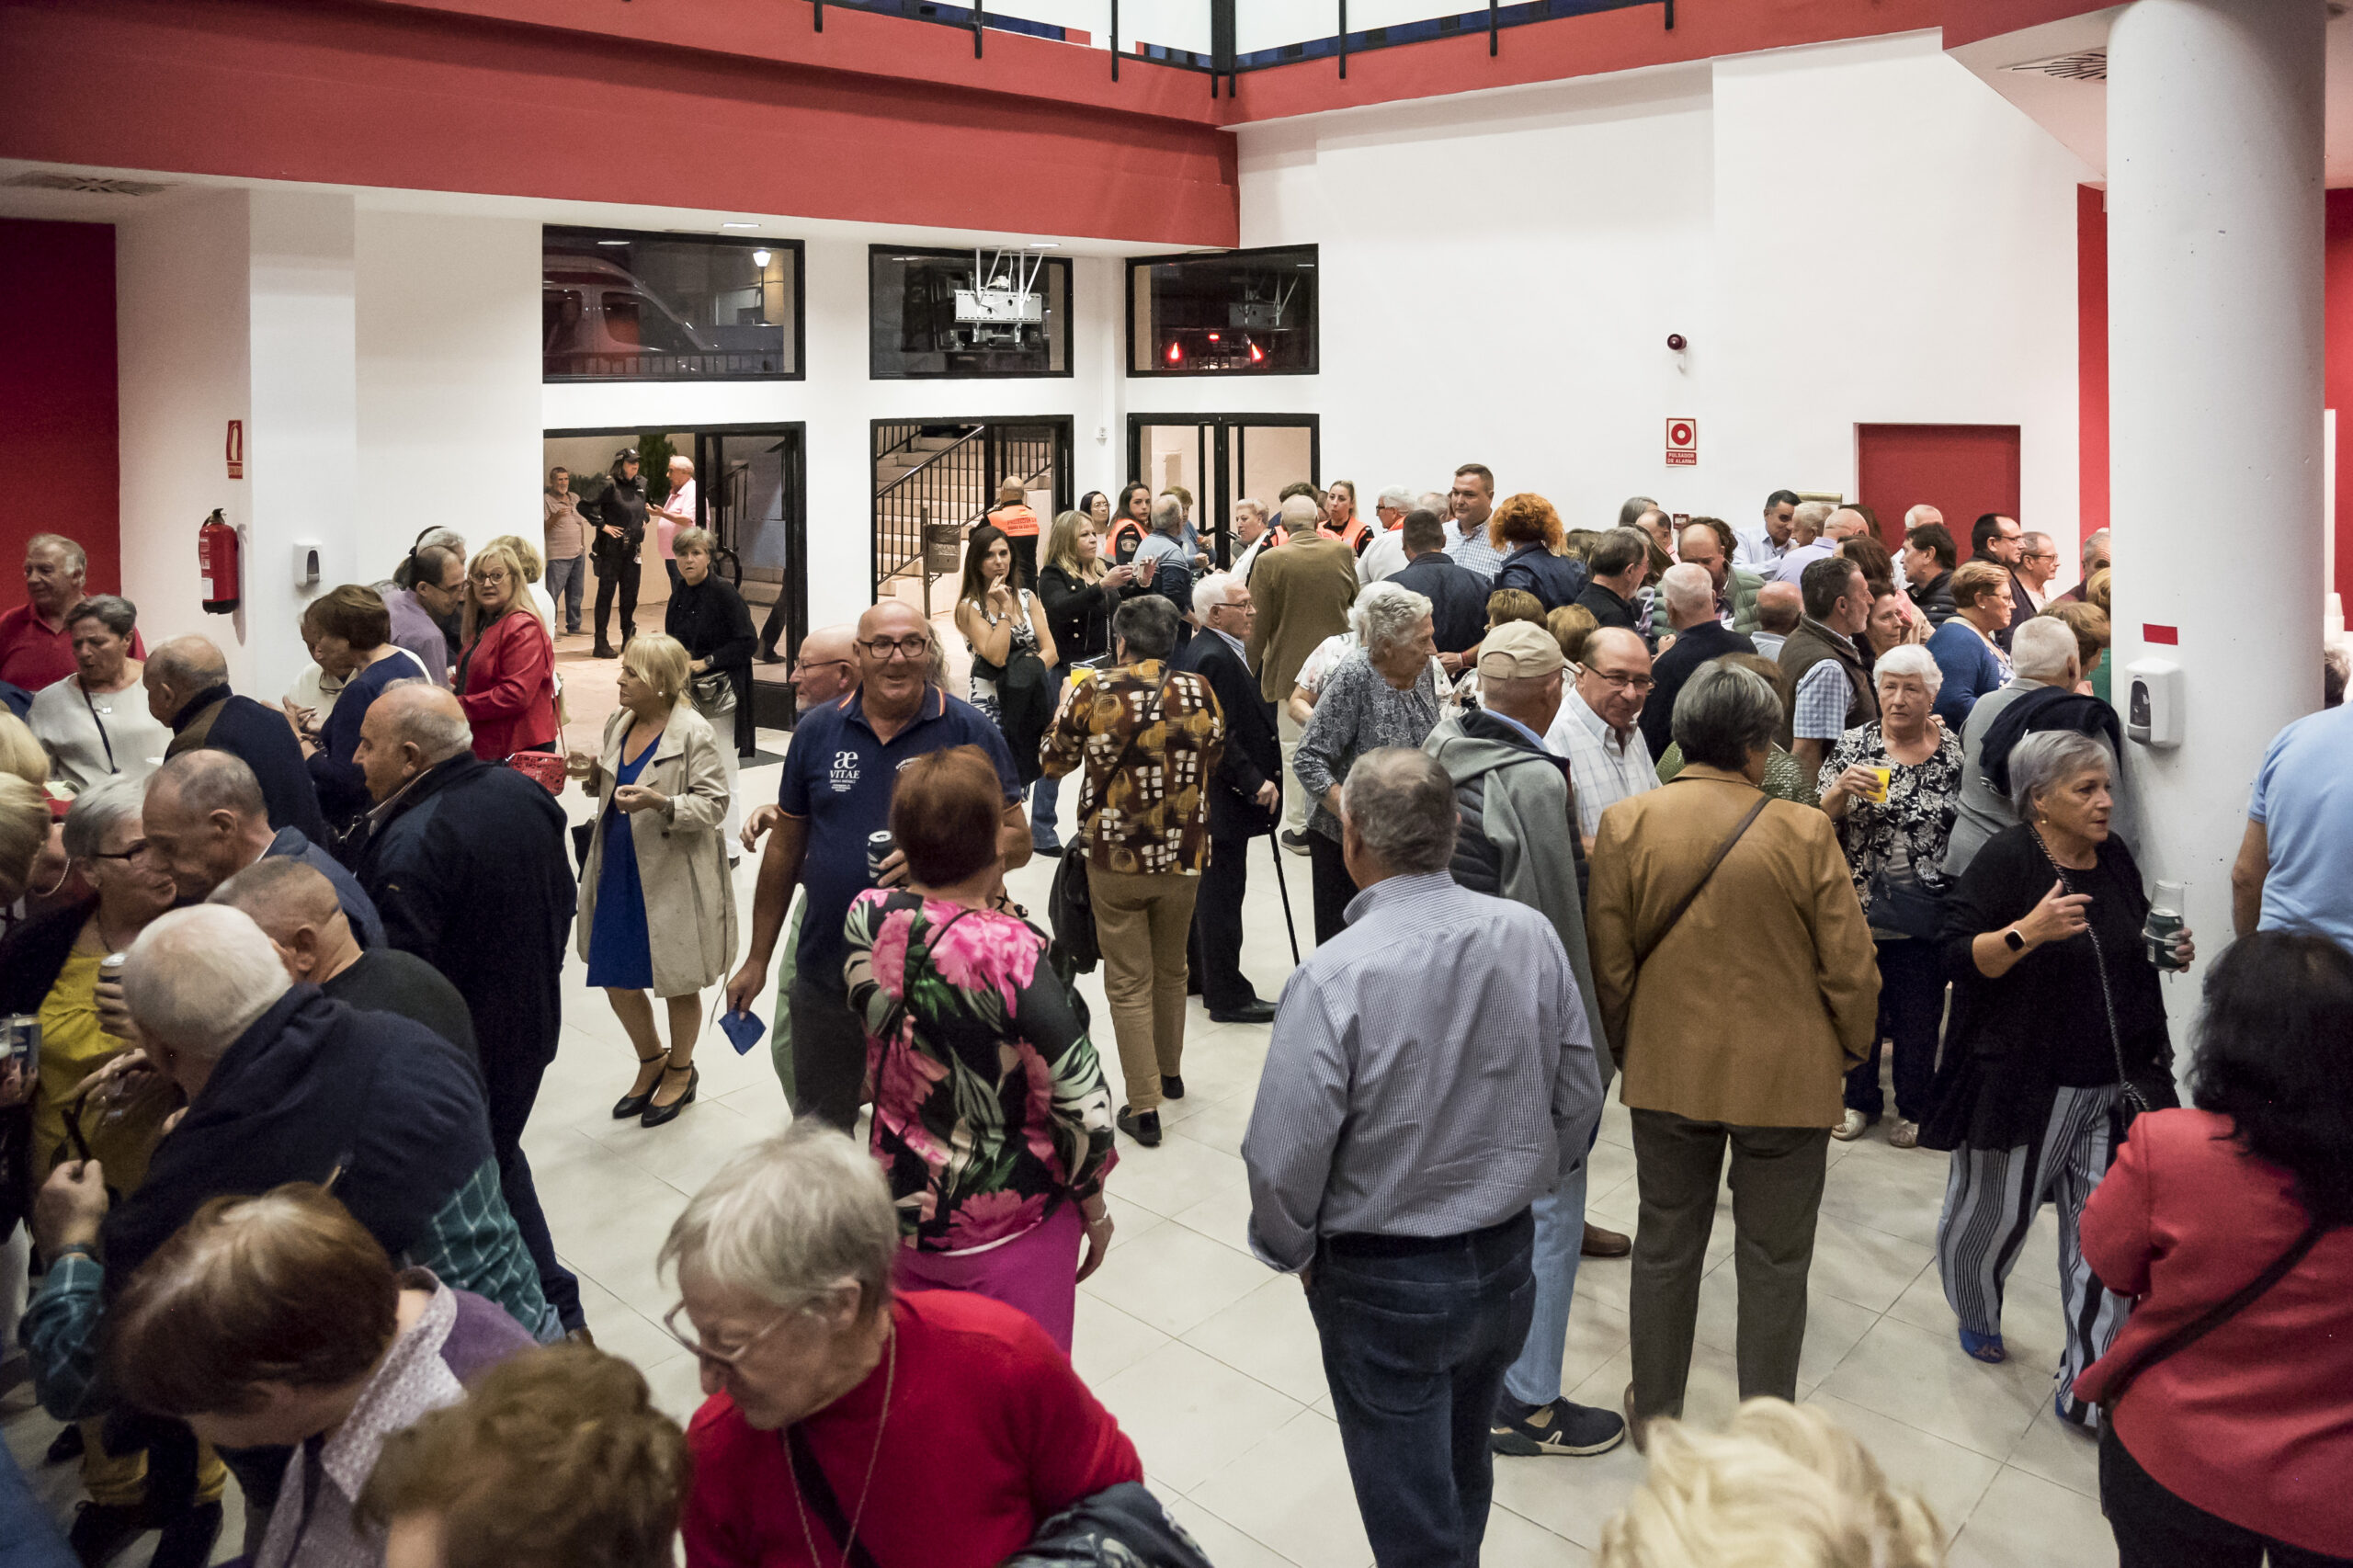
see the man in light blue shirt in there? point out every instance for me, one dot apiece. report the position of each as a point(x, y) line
point(2295, 865)
point(1400, 1133)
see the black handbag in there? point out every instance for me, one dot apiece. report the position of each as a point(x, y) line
point(1905, 902)
point(1071, 904)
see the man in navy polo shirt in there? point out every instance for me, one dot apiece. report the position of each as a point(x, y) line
point(836, 791)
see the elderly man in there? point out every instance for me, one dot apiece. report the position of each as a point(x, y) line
point(1779, 608)
point(467, 864)
point(1150, 739)
point(282, 1084)
point(188, 688)
point(675, 513)
point(1385, 556)
point(2095, 559)
point(206, 822)
point(2295, 871)
point(1806, 544)
point(1929, 557)
point(1517, 840)
point(1844, 524)
point(565, 533)
point(1244, 796)
point(1707, 876)
point(2045, 657)
point(295, 906)
point(1161, 565)
point(1659, 525)
point(1457, 596)
point(834, 797)
point(1764, 548)
point(1821, 663)
point(1401, 1131)
point(436, 592)
point(1707, 542)
point(1470, 504)
point(1620, 562)
point(1301, 594)
point(2038, 563)
point(1598, 728)
point(1690, 600)
point(36, 646)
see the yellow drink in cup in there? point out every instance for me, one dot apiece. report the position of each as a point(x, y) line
point(1879, 794)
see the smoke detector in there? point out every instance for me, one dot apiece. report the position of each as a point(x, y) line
point(85, 185)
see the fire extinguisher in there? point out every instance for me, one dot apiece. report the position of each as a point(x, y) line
point(216, 557)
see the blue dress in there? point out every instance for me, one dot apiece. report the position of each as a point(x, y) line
point(621, 954)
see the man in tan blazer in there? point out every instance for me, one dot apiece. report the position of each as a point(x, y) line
point(1777, 924)
point(1301, 593)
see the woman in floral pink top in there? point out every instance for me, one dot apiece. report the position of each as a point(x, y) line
point(991, 1116)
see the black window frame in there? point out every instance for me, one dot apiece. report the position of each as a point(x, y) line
point(799, 328)
point(1128, 313)
point(950, 252)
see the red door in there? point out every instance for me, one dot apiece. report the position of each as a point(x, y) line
point(1963, 470)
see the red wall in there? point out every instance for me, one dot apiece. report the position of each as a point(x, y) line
point(1963, 470)
point(2091, 353)
point(57, 396)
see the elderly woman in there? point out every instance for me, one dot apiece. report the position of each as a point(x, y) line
point(1386, 693)
point(1528, 528)
point(2058, 1033)
point(991, 1116)
point(1964, 648)
point(2239, 1443)
point(349, 633)
point(94, 723)
point(1893, 786)
point(845, 1423)
point(710, 621)
point(2090, 625)
point(506, 674)
point(657, 907)
point(277, 1321)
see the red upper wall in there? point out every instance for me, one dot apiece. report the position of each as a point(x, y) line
point(57, 429)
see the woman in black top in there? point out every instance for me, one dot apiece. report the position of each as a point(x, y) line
point(1080, 590)
point(621, 530)
point(2056, 1015)
point(708, 617)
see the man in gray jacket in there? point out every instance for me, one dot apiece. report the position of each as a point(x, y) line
point(1518, 840)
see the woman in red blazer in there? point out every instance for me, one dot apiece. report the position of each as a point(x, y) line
point(2240, 1442)
point(506, 674)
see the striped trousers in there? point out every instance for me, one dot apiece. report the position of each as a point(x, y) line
point(1991, 1198)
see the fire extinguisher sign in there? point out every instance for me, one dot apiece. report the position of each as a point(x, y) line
point(1683, 443)
point(236, 448)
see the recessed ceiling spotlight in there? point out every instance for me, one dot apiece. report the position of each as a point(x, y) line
point(612, 242)
point(739, 225)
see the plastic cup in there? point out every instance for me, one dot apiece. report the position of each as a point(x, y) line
point(1877, 795)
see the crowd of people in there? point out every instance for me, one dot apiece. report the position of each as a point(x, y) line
point(266, 1139)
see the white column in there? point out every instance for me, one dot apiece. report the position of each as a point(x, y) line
point(2215, 238)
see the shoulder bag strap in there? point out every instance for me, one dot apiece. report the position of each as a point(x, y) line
point(1089, 797)
point(1642, 956)
point(818, 1493)
point(2135, 1100)
point(2189, 1333)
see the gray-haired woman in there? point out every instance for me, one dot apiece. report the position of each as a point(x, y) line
point(1387, 693)
point(939, 1427)
point(2057, 1024)
point(94, 722)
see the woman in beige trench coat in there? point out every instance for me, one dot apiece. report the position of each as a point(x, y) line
point(661, 916)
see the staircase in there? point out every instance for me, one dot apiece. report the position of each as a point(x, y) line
point(947, 472)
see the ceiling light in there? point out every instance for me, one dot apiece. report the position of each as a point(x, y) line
point(759, 258)
point(1043, 244)
point(739, 225)
point(1175, 353)
point(612, 242)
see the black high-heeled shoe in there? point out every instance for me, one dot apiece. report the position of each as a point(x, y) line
point(634, 1105)
point(655, 1115)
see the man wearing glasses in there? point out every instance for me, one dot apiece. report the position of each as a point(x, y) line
point(835, 795)
point(2031, 579)
point(1598, 728)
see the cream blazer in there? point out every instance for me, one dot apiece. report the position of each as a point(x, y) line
point(681, 853)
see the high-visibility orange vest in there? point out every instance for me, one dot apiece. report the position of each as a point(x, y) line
point(1356, 536)
point(1125, 536)
point(1015, 519)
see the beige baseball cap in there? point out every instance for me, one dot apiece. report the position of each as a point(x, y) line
point(1519, 649)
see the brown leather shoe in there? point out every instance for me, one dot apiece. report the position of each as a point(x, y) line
point(1636, 1433)
point(1599, 1243)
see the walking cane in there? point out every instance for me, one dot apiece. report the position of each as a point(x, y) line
point(1275, 843)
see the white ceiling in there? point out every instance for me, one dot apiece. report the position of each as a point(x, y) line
point(2075, 111)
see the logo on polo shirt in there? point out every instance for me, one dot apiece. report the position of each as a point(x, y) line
point(845, 773)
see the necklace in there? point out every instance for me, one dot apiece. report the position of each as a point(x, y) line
point(890, 1377)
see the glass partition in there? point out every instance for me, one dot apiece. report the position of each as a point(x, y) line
point(618, 305)
point(1246, 312)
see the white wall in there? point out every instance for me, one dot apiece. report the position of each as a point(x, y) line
point(1846, 234)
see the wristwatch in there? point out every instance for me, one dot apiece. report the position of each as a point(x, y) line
point(2012, 940)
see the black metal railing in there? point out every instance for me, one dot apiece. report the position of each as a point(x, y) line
point(950, 476)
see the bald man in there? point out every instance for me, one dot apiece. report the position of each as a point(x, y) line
point(295, 906)
point(188, 688)
point(1779, 608)
point(467, 864)
point(205, 821)
point(1598, 728)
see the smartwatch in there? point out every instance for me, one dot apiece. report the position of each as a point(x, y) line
point(2012, 940)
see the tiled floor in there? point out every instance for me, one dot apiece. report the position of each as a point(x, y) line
point(1210, 1360)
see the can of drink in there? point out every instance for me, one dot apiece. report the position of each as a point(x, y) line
point(878, 849)
point(2164, 923)
point(109, 985)
point(20, 1041)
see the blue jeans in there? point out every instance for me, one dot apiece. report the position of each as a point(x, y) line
point(1416, 1334)
point(1045, 796)
point(1535, 1378)
point(1911, 1008)
point(566, 581)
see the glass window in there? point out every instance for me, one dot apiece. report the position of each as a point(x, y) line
point(1243, 312)
point(622, 306)
point(942, 313)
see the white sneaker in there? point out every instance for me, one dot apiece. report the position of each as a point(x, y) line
point(1906, 1135)
point(1849, 1127)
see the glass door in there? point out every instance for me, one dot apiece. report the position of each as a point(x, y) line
point(1221, 459)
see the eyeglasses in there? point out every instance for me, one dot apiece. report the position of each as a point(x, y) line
point(133, 852)
point(906, 647)
point(726, 1356)
point(1623, 683)
point(488, 579)
point(805, 665)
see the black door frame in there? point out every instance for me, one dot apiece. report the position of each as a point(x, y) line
point(1223, 444)
point(794, 589)
point(1066, 429)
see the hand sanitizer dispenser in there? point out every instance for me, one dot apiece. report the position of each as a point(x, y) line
point(2152, 710)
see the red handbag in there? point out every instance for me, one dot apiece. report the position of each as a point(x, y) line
point(547, 767)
